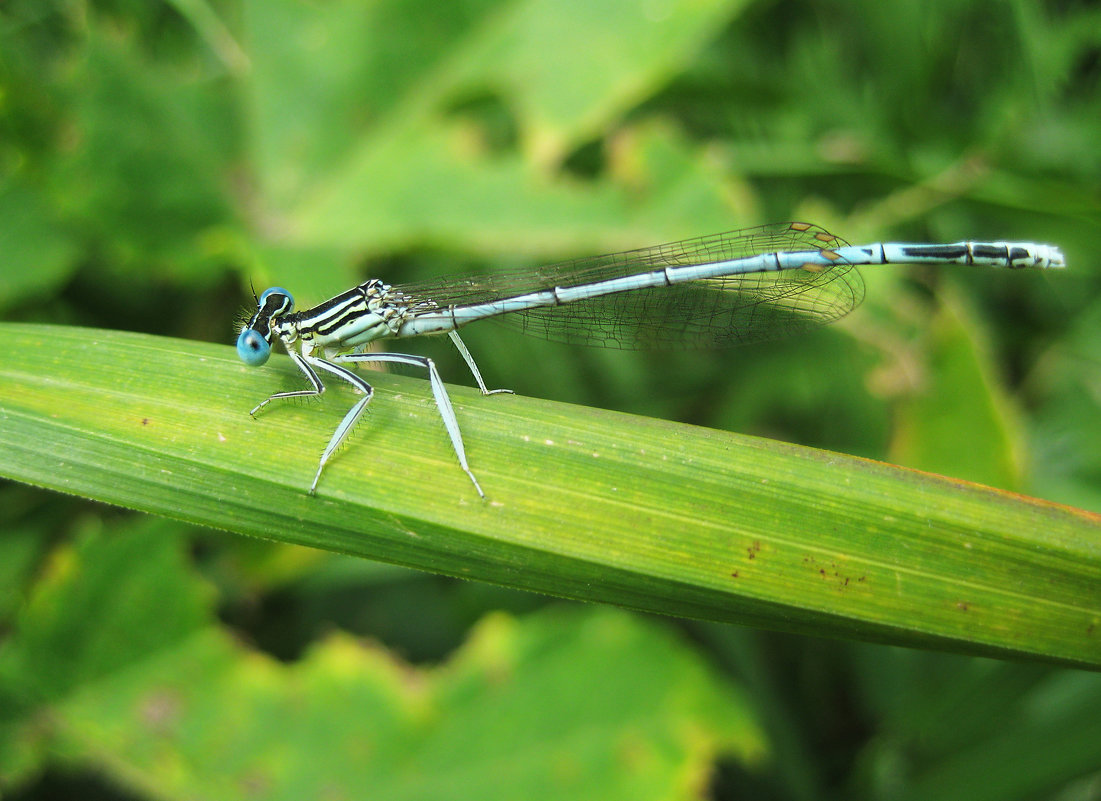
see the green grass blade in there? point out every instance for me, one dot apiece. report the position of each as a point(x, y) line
point(581, 503)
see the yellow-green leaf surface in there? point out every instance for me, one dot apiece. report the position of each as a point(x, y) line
point(581, 503)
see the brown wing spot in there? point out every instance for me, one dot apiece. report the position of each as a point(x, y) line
point(801, 226)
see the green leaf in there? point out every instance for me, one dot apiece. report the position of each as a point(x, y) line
point(1067, 444)
point(549, 706)
point(90, 615)
point(38, 255)
point(959, 422)
point(582, 503)
point(361, 141)
point(141, 171)
point(950, 728)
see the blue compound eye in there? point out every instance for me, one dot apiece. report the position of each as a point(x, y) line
point(278, 290)
point(253, 349)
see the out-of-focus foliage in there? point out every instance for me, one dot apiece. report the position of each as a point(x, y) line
point(157, 157)
point(197, 714)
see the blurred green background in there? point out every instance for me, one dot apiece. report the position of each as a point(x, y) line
point(157, 158)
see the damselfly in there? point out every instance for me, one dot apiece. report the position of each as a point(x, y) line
point(744, 286)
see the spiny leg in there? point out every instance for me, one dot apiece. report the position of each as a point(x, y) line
point(461, 346)
point(439, 392)
point(348, 423)
point(317, 388)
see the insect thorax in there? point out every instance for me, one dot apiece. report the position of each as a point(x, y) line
point(373, 310)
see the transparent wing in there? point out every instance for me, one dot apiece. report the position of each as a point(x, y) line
point(726, 311)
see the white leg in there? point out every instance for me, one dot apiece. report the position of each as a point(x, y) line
point(473, 367)
point(317, 387)
point(350, 419)
point(443, 401)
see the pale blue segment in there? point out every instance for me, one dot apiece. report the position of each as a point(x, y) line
point(1010, 255)
point(277, 290)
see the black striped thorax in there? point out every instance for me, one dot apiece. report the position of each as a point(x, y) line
point(372, 310)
